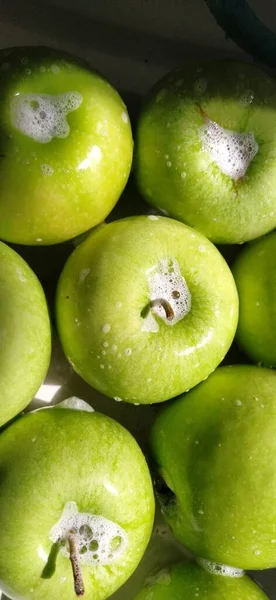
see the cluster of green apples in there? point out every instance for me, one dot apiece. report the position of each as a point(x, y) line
point(146, 310)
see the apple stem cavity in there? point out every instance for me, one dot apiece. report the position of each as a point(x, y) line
point(165, 305)
point(75, 562)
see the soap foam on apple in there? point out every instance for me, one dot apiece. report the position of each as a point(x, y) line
point(98, 540)
point(230, 150)
point(167, 285)
point(219, 569)
point(42, 116)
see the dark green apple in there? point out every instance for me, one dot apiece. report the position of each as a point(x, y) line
point(215, 448)
point(146, 309)
point(188, 581)
point(206, 147)
point(75, 492)
point(255, 275)
point(25, 334)
point(65, 149)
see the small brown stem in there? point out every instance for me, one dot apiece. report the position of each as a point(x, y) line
point(166, 305)
point(203, 113)
point(75, 562)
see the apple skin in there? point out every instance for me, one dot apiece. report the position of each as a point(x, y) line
point(215, 448)
point(25, 347)
point(255, 275)
point(175, 174)
point(53, 456)
point(53, 191)
point(188, 580)
point(103, 290)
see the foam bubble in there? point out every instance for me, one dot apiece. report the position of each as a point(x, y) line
point(231, 151)
point(220, 569)
point(166, 282)
point(42, 116)
point(98, 540)
point(47, 169)
point(75, 403)
point(247, 98)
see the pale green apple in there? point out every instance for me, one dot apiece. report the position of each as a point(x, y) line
point(146, 309)
point(71, 473)
point(25, 334)
point(66, 146)
point(188, 581)
point(206, 147)
point(255, 275)
point(215, 448)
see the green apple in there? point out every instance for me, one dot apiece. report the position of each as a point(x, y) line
point(189, 581)
point(206, 147)
point(255, 275)
point(215, 448)
point(66, 146)
point(146, 309)
point(163, 550)
point(25, 334)
point(75, 496)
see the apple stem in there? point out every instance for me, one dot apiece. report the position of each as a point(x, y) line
point(203, 114)
point(75, 562)
point(166, 305)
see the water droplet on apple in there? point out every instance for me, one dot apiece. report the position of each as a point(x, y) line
point(106, 328)
point(117, 399)
point(47, 169)
point(200, 86)
point(55, 69)
point(247, 98)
